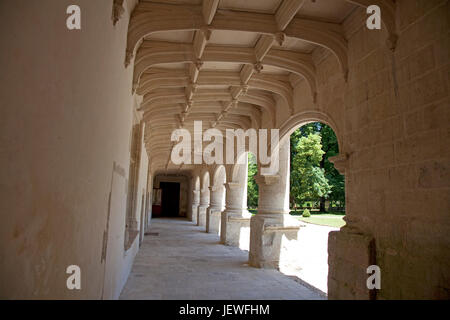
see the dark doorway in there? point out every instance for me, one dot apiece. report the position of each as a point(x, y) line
point(170, 199)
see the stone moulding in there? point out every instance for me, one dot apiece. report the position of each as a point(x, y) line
point(215, 188)
point(340, 162)
point(236, 218)
point(233, 185)
point(270, 211)
point(118, 11)
point(281, 228)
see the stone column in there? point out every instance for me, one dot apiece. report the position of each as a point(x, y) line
point(214, 210)
point(273, 230)
point(235, 222)
point(204, 204)
point(195, 204)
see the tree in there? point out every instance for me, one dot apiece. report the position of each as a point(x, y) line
point(330, 147)
point(308, 180)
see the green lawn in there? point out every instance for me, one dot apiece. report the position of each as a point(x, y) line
point(323, 219)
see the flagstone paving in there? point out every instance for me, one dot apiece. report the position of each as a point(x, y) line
point(178, 260)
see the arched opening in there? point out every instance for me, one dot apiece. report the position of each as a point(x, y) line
point(252, 186)
point(317, 200)
point(315, 183)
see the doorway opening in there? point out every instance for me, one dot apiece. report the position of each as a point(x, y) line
point(170, 199)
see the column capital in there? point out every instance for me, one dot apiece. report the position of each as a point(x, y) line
point(233, 185)
point(267, 179)
point(215, 188)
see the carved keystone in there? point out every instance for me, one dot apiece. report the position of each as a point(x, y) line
point(198, 64)
point(280, 37)
point(258, 67)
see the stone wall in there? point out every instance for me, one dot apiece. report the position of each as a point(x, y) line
point(65, 123)
point(396, 135)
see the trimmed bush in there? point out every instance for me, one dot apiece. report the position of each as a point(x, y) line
point(306, 213)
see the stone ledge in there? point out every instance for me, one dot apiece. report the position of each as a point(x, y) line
point(240, 219)
point(281, 228)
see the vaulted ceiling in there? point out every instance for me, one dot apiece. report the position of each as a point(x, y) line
point(226, 62)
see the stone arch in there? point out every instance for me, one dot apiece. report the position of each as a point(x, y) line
point(300, 119)
point(219, 176)
point(205, 180)
point(239, 169)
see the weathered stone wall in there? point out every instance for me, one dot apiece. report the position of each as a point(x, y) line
point(396, 134)
point(65, 123)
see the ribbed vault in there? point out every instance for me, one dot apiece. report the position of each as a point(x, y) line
point(228, 62)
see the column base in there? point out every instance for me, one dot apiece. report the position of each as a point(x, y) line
point(194, 213)
point(201, 221)
point(235, 228)
point(271, 237)
point(213, 217)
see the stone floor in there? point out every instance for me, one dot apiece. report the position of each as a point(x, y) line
point(310, 262)
point(178, 260)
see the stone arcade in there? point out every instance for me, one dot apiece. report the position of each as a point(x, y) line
point(87, 116)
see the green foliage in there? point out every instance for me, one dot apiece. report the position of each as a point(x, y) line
point(308, 180)
point(252, 187)
point(331, 148)
point(306, 213)
point(313, 176)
